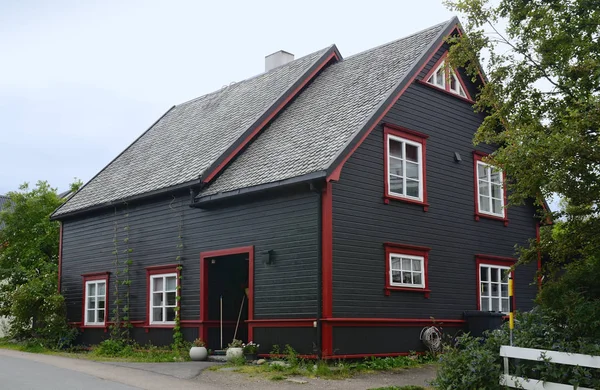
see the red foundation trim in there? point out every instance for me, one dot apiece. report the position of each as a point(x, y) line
point(93, 277)
point(284, 323)
point(204, 323)
point(400, 322)
point(493, 260)
point(368, 355)
point(477, 156)
point(411, 250)
point(60, 241)
point(261, 125)
point(159, 270)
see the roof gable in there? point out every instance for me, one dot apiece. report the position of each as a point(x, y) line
point(192, 137)
point(317, 131)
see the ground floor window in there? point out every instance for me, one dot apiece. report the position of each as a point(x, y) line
point(493, 275)
point(162, 294)
point(95, 300)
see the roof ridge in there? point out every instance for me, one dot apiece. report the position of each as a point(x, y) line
point(400, 39)
point(252, 77)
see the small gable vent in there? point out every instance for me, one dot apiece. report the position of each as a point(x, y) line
point(444, 77)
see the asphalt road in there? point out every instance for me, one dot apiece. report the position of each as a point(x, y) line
point(23, 374)
point(26, 371)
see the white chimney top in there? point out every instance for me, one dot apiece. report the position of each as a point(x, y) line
point(276, 59)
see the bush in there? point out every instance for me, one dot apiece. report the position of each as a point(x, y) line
point(113, 348)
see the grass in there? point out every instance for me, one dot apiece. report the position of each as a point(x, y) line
point(130, 353)
point(325, 369)
point(409, 387)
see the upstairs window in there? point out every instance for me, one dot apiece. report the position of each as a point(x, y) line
point(405, 165)
point(490, 194)
point(444, 77)
point(406, 268)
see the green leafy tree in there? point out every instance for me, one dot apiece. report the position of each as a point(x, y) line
point(29, 263)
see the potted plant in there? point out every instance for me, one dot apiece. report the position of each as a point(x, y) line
point(234, 349)
point(198, 351)
point(250, 351)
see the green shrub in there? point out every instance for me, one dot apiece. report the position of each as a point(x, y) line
point(113, 348)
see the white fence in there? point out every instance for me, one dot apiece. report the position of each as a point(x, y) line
point(571, 359)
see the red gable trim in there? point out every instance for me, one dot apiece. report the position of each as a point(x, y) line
point(211, 174)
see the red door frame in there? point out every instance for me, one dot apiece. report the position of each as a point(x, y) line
point(204, 256)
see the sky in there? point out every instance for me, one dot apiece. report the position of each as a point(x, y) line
point(81, 80)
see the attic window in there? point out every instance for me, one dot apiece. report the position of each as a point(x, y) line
point(444, 77)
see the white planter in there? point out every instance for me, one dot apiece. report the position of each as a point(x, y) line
point(198, 353)
point(233, 353)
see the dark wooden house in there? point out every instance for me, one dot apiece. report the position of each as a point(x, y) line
point(341, 200)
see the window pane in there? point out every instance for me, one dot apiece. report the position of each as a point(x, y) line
point(431, 79)
point(497, 205)
point(171, 283)
point(484, 273)
point(102, 288)
point(416, 265)
point(412, 153)
point(157, 314)
point(412, 188)
point(412, 170)
point(505, 273)
point(406, 278)
point(485, 304)
point(484, 188)
point(171, 298)
point(396, 277)
point(91, 289)
point(157, 299)
point(495, 305)
point(505, 306)
point(395, 166)
point(101, 303)
point(497, 191)
point(396, 263)
point(91, 315)
point(395, 148)
point(495, 289)
point(100, 315)
point(485, 289)
point(406, 265)
point(396, 185)
point(484, 203)
point(91, 303)
point(170, 314)
point(495, 277)
point(453, 82)
point(504, 290)
point(481, 171)
point(157, 284)
point(417, 278)
point(496, 176)
point(440, 76)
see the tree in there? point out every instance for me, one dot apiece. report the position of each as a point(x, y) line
point(543, 102)
point(29, 263)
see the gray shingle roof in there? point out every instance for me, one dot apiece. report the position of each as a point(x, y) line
point(190, 137)
point(308, 135)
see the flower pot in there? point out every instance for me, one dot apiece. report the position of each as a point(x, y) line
point(233, 353)
point(251, 357)
point(198, 353)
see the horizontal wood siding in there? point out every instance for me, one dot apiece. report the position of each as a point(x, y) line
point(287, 224)
point(362, 223)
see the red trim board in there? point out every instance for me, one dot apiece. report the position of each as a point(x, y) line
point(414, 136)
point(204, 323)
point(327, 266)
point(211, 175)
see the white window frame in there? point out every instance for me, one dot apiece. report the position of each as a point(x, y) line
point(87, 320)
point(447, 74)
point(419, 146)
point(502, 269)
point(488, 180)
point(411, 257)
point(164, 305)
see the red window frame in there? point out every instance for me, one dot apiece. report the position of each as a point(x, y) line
point(411, 250)
point(410, 135)
point(447, 89)
point(478, 157)
point(481, 259)
point(92, 277)
point(160, 270)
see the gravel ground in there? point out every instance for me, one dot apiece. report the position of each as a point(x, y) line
point(232, 380)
